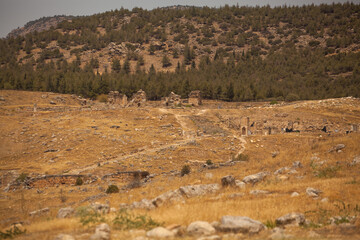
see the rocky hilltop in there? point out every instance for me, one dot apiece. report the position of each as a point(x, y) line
point(39, 25)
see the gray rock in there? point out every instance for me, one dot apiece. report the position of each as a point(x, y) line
point(337, 148)
point(143, 204)
point(239, 184)
point(295, 194)
point(228, 181)
point(65, 212)
point(160, 232)
point(39, 212)
point(281, 170)
point(297, 164)
point(291, 218)
point(200, 228)
point(64, 237)
point(355, 161)
point(312, 192)
point(236, 195)
point(213, 237)
point(259, 192)
point(199, 190)
point(100, 208)
point(102, 232)
point(255, 177)
point(240, 224)
point(274, 154)
point(168, 197)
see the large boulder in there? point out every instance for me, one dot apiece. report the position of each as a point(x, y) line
point(168, 197)
point(240, 224)
point(143, 204)
point(160, 232)
point(64, 237)
point(65, 212)
point(255, 177)
point(228, 181)
point(312, 192)
point(200, 228)
point(102, 232)
point(291, 218)
point(199, 190)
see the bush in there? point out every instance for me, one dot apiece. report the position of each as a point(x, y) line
point(11, 233)
point(22, 177)
point(112, 189)
point(292, 97)
point(270, 224)
point(209, 162)
point(89, 216)
point(126, 221)
point(185, 170)
point(274, 102)
point(241, 158)
point(79, 181)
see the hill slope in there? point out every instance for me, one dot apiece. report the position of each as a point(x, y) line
point(235, 53)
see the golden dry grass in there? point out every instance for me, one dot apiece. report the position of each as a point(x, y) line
point(147, 141)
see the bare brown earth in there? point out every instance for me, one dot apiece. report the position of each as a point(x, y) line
point(65, 138)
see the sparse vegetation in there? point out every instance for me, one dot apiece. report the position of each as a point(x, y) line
point(241, 158)
point(185, 170)
point(112, 189)
point(125, 220)
point(79, 181)
point(89, 216)
point(14, 231)
point(22, 177)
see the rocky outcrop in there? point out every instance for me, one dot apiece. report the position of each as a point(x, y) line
point(168, 197)
point(102, 232)
point(312, 192)
point(238, 224)
point(160, 232)
point(291, 218)
point(199, 190)
point(65, 212)
point(228, 181)
point(200, 228)
point(255, 177)
point(100, 208)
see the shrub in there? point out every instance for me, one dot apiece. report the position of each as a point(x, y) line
point(274, 102)
point(241, 158)
point(79, 181)
point(292, 97)
point(270, 224)
point(126, 221)
point(209, 162)
point(22, 177)
point(112, 189)
point(185, 170)
point(11, 233)
point(89, 216)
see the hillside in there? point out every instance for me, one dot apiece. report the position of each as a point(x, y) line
point(59, 157)
point(235, 53)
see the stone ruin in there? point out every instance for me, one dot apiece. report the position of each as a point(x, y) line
point(241, 124)
point(172, 100)
point(195, 98)
point(138, 99)
point(114, 97)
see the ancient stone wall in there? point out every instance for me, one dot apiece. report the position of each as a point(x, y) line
point(114, 97)
point(195, 98)
point(138, 99)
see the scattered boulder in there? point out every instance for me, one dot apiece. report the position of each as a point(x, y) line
point(278, 233)
point(65, 212)
point(199, 190)
point(213, 237)
point(274, 154)
point(291, 218)
point(170, 196)
point(255, 177)
point(39, 212)
point(297, 164)
point(100, 208)
point(160, 232)
point(64, 237)
point(143, 204)
point(312, 192)
point(228, 181)
point(259, 192)
point(102, 232)
point(239, 184)
point(281, 170)
point(337, 148)
point(355, 161)
point(200, 228)
point(240, 224)
point(295, 194)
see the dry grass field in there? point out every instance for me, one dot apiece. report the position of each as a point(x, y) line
point(64, 138)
